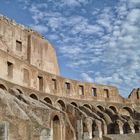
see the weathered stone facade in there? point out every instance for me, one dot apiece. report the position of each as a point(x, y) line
point(36, 103)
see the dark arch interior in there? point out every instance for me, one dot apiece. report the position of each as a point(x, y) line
point(48, 100)
point(73, 103)
point(2, 87)
point(56, 118)
point(62, 104)
point(19, 91)
point(137, 129)
point(100, 107)
point(113, 108)
point(129, 110)
point(88, 106)
point(126, 128)
point(34, 96)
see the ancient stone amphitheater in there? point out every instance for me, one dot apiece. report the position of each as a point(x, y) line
point(36, 103)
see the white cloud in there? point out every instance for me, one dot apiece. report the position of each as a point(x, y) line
point(40, 28)
point(86, 77)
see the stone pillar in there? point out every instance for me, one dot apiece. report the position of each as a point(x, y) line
point(3, 131)
point(120, 125)
point(79, 129)
point(89, 122)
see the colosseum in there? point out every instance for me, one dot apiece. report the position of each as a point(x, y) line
point(37, 103)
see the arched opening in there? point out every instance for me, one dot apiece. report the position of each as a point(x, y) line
point(73, 103)
point(87, 106)
point(113, 108)
point(113, 128)
point(56, 128)
point(48, 100)
point(20, 91)
point(3, 87)
point(62, 104)
point(129, 110)
point(33, 96)
point(137, 128)
point(126, 128)
point(95, 130)
point(101, 108)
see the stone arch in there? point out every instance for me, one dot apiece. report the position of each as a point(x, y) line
point(61, 104)
point(2, 86)
point(73, 103)
point(48, 100)
point(95, 129)
point(20, 91)
point(57, 128)
point(33, 96)
point(88, 106)
point(113, 128)
point(101, 108)
point(129, 110)
point(126, 128)
point(114, 108)
point(137, 128)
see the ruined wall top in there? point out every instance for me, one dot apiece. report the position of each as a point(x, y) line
point(27, 45)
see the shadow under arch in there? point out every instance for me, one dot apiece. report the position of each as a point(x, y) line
point(2, 86)
point(48, 100)
point(137, 128)
point(129, 110)
point(73, 103)
point(62, 104)
point(20, 91)
point(101, 108)
point(88, 106)
point(33, 96)
point(113, 108)
point(126, 128)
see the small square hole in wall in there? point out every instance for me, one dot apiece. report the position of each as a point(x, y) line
point(67, 86)
point(106, 91)
point(81, 90)
point(40, 83)
point(94, 92)
point(10, 69)
point(54, 84)
point(18, 45)
point(26, 76)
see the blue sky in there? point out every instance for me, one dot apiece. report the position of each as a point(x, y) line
point(96, 40)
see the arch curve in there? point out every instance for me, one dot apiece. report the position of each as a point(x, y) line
point(113, 108)
point(3, 86)
point(73, 103)
point(20, 90)
point(129, 110)
point(34, 96)
point(48, 100)
point(61, 104)
point(88, 106)
point(101, 108)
